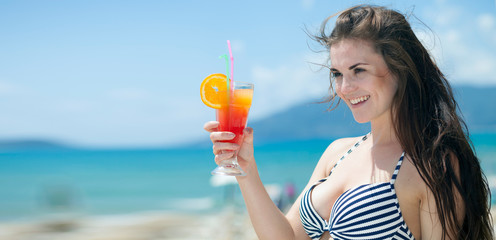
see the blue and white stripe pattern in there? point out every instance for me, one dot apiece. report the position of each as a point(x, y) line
point(369, 211)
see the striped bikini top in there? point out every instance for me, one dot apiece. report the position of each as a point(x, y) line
point(368, 211)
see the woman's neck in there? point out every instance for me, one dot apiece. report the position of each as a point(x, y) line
point(382, 132)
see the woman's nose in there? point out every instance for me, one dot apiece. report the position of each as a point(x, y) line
point(347, 85)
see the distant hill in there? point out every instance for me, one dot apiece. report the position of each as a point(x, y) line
point(308, 121)
point(312, 121)
point(478, 107)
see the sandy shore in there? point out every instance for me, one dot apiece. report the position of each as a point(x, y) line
point(227, 225)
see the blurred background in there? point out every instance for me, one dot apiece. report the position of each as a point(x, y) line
point(101, 126)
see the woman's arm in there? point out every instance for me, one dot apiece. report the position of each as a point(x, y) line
point(268, 221)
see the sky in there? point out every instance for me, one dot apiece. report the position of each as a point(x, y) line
point(125, 74)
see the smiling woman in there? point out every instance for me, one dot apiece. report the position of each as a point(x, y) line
point(413, 99)
point(363, 80)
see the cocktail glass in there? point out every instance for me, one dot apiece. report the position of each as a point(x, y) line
point(232, 117)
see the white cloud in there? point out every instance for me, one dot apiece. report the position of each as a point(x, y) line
point(462, 43)
point(486, 22)
point(477, 68)
point(463, 61)
point(448, 15)
point(487, 25)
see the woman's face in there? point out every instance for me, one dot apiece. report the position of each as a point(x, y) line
point(363, 80)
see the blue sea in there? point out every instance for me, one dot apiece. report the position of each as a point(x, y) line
point(103, 182)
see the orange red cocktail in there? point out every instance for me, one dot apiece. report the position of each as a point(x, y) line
point(232, 106)
point(233, 115)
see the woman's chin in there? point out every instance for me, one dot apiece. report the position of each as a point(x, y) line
point(361, 119)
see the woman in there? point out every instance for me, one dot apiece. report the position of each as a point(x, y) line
point(414, 176)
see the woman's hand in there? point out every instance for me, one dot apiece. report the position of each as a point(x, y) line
point(225, 150)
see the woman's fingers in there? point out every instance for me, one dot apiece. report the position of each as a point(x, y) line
point(215, 135)
point(248, 135)
point(221, 147)
point(211, 126)
point(223, 156)
point(221, 136)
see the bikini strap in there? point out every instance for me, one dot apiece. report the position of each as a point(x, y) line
point(397, 169)
point(349, 151)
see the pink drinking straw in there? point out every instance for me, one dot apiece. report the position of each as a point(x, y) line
point(229, 82)
point(232, 59)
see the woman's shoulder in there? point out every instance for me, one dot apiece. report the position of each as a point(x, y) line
point(337, 149)
point(342, 145)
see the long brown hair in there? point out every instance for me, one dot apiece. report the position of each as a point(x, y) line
point(425, 118)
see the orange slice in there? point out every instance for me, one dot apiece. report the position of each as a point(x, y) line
point(212, 90)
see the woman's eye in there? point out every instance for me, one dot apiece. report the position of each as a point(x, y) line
point(359, 70)
point(336, 74)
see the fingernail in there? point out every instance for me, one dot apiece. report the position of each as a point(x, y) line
point(232, 135)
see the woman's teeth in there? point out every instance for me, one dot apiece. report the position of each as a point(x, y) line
point(359, 100)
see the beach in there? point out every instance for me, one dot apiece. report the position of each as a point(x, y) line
point(226, 225)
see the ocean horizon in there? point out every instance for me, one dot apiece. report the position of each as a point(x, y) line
point(34, 184)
